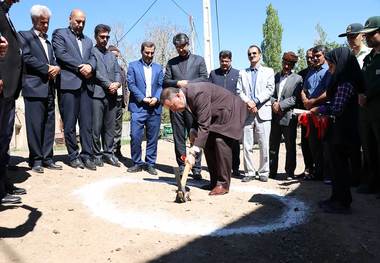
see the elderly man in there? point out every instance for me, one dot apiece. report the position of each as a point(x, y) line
point(255, 87)
point(107, 82)
point(10, 86)
point(288, 86)
point(218, 119)
point(73, 52)
point(370, 106)
point(38, 90)
point(355, 40)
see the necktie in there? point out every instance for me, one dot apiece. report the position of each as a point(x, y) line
point(254, 76)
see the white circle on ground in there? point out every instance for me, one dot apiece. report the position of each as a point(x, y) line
point(94, 197)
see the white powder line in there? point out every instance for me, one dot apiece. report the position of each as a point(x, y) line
point(94, 197)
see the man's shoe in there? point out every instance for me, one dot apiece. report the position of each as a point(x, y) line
point(38, 169)
point(134, 169)
point(272, 175)
point(76, 163)
point(247, 178)
point(89, 164)
point(53, 166)
point(218, 190)
point(118, 154)
point(263, 178)
point(151, 170)
point(10, 199)
point(112, 161)
point(99, 162)
point(13, 190)
point(236, 174)
point(196, 176)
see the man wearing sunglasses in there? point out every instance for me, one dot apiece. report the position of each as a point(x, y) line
point(370, 104)
point(107, 81)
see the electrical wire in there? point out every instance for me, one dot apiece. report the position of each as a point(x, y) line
point(217, 22)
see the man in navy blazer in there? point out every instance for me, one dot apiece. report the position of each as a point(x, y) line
point(38, 90)
point(73, 52)
point(145, 84)
point(107, 82)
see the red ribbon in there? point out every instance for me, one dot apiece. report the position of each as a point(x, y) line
point(320, 123)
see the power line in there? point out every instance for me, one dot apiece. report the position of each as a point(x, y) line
point(138, 20)
point(217, 22)
point(183, 10)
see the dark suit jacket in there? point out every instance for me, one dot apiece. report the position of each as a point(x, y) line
point(196, 70)
point(226, 80)
point(35, 81)
point(288, 97)
point(11, 63)
point(215, 110)
point(107, 71)
point(68, 57)
point(137, 87)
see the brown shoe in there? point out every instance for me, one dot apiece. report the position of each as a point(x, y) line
point(218, 190)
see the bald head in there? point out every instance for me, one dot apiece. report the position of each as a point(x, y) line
point(77, 21)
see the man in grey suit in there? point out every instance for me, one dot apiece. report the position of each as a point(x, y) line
point(218, 118)
point(73, 52)
point(180, 70)
point(38, 90)
point(255, 87)
point(288, 86)
point(107, 82)
point(10, 85)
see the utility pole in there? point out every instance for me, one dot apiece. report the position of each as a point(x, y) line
point(208, 55)
point(192, 34)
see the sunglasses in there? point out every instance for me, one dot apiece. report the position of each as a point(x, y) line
point(252, 53)
point(104, 37)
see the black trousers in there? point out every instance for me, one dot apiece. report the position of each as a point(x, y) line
point(340, 154)
point(76, 106)
point(290, 134)
point(181, 125)
point(218, 153)
point(103, 126)
point(40, 128)
point(316, 148)
point(236, 155)
point(7, 119)
point(118, 123)
point(306, 152)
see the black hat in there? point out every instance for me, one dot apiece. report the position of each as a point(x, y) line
point(352, 29)
point(372, 24)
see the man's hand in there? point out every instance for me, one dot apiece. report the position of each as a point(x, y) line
point(3, 46)
point(276, 107)
point(113, 87)
point(192, 135)
point(153, 101)
point(182, 83)
point(362, 99)
point(53, 71)
point(308, 103)
point(1, 86)
point(85, 70)
point(252, 107)
point(314, 110)
point(147, 100)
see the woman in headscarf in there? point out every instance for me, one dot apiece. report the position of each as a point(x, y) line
point(342, 134)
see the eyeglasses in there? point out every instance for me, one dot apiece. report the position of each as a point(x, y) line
point(104, 37)
point(252, 53)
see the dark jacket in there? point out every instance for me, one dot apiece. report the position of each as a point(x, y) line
point(227, 80)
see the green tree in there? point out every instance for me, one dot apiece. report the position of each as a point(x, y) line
point(322, 39)
point(272, 37)
point(301, 64)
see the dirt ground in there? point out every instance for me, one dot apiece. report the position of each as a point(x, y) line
point(77, 215)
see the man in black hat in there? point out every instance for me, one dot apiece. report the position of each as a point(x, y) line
point(355, 40)
point(370, 105)
point(181, 70)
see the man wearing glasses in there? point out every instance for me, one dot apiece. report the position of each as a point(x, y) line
point(370, 104)
point(255, 87)
point(107, 82)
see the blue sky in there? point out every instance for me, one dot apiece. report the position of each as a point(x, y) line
point(240, 21)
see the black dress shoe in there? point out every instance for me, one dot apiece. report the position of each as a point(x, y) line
point(151, 170)
point(13, 190)
point(53, 166)
point(89, 164)
point(99, 162)
point(38, 169)
point(76, 163)
point(134, 169)
point(112, 161)
point(247, 179)
point(10, 199)
point(196, 176)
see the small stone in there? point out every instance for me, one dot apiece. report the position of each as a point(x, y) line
point(118, 249)
point(56, 232)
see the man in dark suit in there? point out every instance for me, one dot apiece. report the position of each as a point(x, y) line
point(121, 102)
point(179, 71)
point(10, 85)
point(38, 90)
point(145, 84)
point(226, 76)
point(107, 82)
point(219, 120)
point(288, 86)
point(73, 52)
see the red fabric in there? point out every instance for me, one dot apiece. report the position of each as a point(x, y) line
point(304, 121)
point(320, 122)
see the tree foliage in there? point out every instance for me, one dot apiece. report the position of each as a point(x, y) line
point(322, 39)
point(272, 37)
point(301, 64)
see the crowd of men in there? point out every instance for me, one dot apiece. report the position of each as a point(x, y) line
point(217, 111)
